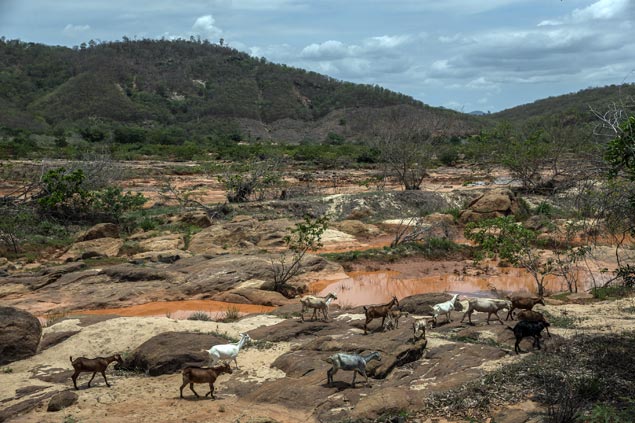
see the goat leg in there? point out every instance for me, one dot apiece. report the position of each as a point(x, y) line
point(354, 374)
point(211, 391)
point(103, 373)
point(192, 389)
point(183, 386)
point(74, 377)
point(91, 379)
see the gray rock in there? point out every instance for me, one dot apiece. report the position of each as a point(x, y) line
point(62, 400)
point(20, 334)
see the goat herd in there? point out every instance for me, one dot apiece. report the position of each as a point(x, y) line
point(530, 324)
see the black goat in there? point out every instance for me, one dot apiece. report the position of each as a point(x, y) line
point(524, 329)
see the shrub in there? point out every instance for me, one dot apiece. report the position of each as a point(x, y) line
point(200, 315)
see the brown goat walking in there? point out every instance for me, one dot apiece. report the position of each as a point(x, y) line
point(98, 364)
point(209, 375)
point(533, 316)
point(525, 303)
point(376, 311)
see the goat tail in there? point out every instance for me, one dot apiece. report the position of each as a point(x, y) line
point(509, 328)
point(365, 308)
point(71, 358)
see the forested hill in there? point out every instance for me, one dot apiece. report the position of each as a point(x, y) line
point(573, 108)
point(193, 86)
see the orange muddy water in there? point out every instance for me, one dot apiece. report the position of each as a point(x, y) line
point(361, 288)
point(181, 309)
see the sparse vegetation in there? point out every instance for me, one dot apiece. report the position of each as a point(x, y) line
point(201, 316)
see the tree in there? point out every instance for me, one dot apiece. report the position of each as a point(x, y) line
point(404, 142)
point(307, 236)
point(504, 237)
point(255, 178)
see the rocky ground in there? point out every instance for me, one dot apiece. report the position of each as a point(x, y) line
point(282, 375)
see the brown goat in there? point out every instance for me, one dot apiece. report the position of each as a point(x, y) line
point(393, 318)
point(376, 311)
point(98, 364)
point(525, 303)
point(209, 375)
point(533, 316)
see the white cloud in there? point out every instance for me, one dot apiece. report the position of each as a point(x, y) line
point(74, 30)
point(204, 26)
point(328, 50)
point(602, 9)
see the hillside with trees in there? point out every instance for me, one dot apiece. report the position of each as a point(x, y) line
point(181, 90)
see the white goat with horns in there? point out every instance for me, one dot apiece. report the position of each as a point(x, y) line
point(227, 352)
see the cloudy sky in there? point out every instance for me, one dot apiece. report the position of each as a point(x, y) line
point(462, 54)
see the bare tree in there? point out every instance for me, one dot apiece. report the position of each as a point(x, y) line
point(405, 142)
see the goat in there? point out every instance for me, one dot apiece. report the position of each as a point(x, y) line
point(524, 329)
point(227, 351)
point(98, 364)
point(533, 316)
point(376, 311)
point(393, 318)
point(317, 303)
point(355, 362)
point(419, 325)
point(444, 308)
point(486, 305)
point(194, 375)
point(525, 303)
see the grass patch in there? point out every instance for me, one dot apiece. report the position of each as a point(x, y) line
point(200, 315)
point(563, 321)
point(231, 314)
point(570, 377)
point(7, 370)
point(611, 292)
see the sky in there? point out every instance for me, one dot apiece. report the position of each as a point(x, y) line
point(467, 55)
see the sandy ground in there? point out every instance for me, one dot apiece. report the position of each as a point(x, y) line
point(140, 398)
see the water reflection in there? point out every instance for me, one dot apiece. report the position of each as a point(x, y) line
point(361, 288)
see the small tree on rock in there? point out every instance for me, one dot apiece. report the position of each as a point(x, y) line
point(307, 236)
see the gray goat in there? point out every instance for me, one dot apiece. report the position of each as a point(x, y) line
point(355, 362)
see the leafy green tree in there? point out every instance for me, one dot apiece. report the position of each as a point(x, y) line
point(510, 241)
point(620, 153)
point(305, 237)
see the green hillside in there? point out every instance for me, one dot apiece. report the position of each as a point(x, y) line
point(573, 108)
point(195, 86)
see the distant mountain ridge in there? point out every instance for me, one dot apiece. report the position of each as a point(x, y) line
point(195, 86)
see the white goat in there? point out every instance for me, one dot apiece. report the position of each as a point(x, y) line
point(355, 362)
point(317, 303)
point(486, 305)
point(227, 351)
point(444, 308)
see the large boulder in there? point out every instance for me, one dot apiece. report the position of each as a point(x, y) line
point(163, 243)
point(20, 334)
point(422, 303)
point(100, 230)
point(169, 352)
point(498, 202)
point(102, 247)
point(61, 400)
